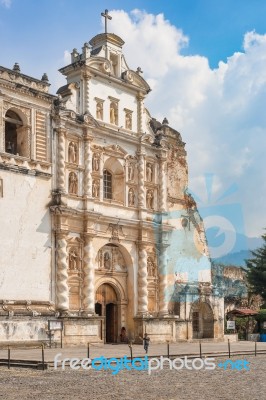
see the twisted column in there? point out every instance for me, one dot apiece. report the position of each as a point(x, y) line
point(88, 167)
point(88, 282)
point(87, 92)
point(141, 168)
point(142, 282)
point(61, 160)
point(62, 289)
point(163, 301)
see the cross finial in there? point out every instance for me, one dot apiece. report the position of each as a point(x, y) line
point(106, 16)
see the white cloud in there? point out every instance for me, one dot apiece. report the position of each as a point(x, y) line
point(6, 3)
point(67, 57)
point(219, 112)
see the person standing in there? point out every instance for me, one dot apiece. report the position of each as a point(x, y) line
point(146, 342)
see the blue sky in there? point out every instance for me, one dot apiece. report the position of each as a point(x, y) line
point(46, 27)
point(205, 61)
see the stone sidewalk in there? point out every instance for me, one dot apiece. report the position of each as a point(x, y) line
point(120, 350)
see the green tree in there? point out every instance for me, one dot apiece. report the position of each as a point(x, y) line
point(256, 270)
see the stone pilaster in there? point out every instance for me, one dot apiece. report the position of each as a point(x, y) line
point(61, 160)
point(141, 168)
point(140, 99)
point(162, 184)
point(62, 289)
point(163, 301)
point(88, 167)
point(88, 283)
point(142, 282)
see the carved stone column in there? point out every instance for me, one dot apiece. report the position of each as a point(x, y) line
point(61, 160)
point(88, 283)
point(62, 289)
point(162, 184)
point(88, 166)
point(87, 78)
point(140, 99)
point(142, 282)
point(163, 301)
point(141, 168)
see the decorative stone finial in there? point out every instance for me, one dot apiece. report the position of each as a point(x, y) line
point(45, 78)
point(16, 67)
point(139, 71)
point(165, 121)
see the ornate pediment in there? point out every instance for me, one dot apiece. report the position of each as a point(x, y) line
point(100, 63)
point(135, 79)
point(115, 150)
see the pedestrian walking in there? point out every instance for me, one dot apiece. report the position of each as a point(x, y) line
point(146, 342)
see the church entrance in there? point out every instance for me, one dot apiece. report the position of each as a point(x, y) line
point(202, 321)
point(107, 306)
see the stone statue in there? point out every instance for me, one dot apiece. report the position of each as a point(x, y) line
point(95, 188)
point(149, 172)
point(73, 183)
point(99, 110)
point(128, 120)
point(150, 267)
point(96, 162)
point(149, 199)
point(131, 197)
point(113, 114)
point(72, 260)
point(72, 152)
point(106, 261)
point(131, 168)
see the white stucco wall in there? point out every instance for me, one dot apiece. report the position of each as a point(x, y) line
point(25, 237)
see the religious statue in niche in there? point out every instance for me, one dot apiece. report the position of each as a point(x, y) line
point(150, 267)
point(72, 260)
point(149, 172)
point(113, 113)
point(128, 121)
point(72, 152)
point(131, 168)
point(95, 188)
point(107, 260)
point(110, 257)
point(96, 162)
point(99, 110)
point(131, 197)
point(149, 199)
point(73, 183)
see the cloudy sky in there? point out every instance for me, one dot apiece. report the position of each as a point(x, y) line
point(206, 63)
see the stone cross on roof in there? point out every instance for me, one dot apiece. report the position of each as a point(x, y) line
point(106, 16)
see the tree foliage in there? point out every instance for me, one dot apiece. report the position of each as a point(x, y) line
point(256, 270)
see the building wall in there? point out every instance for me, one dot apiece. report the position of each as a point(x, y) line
point(25, 237)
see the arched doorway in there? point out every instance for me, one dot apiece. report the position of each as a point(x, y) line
point(202, 321)
point(106, 305)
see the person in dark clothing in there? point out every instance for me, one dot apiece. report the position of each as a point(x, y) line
point(146, 342)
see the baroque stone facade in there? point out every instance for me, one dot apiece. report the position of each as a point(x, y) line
point(98, 228)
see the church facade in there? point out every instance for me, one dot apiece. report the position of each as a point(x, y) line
point(97, 227)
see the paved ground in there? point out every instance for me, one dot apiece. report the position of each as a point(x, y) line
point(120, 350)
point(218, 384)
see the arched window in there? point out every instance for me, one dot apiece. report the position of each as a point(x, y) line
point(12, 124)
point(107, 185)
